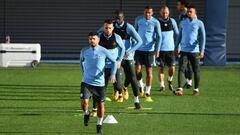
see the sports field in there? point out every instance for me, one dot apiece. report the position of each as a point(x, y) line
point(46, 101)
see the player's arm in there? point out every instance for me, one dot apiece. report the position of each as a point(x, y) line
point(121, 47)
point(138, 41)
point(177, 47)
point(175, 30)
point(114, 65)
point(82, 59)
point(202, 39)
point(136, 24)
point(100, 30)
point(158, 38)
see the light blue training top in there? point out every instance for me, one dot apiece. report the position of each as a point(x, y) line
point(150, 32)
point(92, 61)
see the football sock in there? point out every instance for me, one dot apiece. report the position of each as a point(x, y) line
point(86, 112)
point(189, 82)
point(197, 90)
point(140, 82)
point(162, 84)
point(148, 88)
point(136, 99)
point(170, 78)
point(99, 120)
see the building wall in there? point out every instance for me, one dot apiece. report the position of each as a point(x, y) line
point(61, 26)
point(233, 31)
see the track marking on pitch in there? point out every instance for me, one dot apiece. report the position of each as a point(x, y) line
point(143, 108)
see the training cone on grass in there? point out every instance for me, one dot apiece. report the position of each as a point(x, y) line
point(110, 120)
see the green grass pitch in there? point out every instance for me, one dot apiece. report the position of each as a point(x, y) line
point(46, 101)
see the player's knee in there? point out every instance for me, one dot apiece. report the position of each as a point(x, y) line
point(84, 102)
point(150, 76)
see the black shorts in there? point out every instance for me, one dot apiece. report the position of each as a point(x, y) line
point(144, 58)
point(166, 58)
point(97, 92)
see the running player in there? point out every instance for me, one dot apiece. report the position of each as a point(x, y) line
point(92, 60)
point(191, 43)
point(182, 7)
point(149, 30)
point(132, 41)
point(166, 55)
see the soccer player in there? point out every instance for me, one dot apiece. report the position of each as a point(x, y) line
point(166, 55)
point(182, 7)
point(113, 42)
point(92, 61)
point(149, 30)
point(191, 43)
point(128, 33)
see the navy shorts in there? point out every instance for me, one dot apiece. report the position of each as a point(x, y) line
point(144, 58)
point(97, 92)
point(166, 58)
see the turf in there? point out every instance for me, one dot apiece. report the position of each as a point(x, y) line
point(45, 101)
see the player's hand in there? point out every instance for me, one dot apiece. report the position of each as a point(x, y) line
point(126, 55)
point(118, 64)
point(201, 55)
point(177, 52)
point(157, 54)
point(112, 79)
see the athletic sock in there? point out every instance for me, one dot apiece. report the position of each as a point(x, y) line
point(136, 99)
point(189, 82)
point(170, 78)
point(94, 109)
point(148, 88)
point(162, 84)
point(180, 89)
point(197, 90)
point(86, 112)
point(99, 120)
point(140, 83)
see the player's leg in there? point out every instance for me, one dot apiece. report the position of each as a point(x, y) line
point(171, 71)
point(132, 76)
point(99, 96)
point(182, 67)
point(127, 79)
point(161, 78)
point(139, 56)
point(94, 109)
point(84, 95)
point(107, 76)
point(107, 73)
point(148, 80)
point(118, 85)
point(161, 63)
point(149, 59)
point(170, 61)
point(188, 76)
point(195, 60)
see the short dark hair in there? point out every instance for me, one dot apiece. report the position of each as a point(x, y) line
point(108, 21)
point(148, 7)
point(92, 34)
point(184, 2)
point(119, 12)
point(164, 7)
point(191, 6)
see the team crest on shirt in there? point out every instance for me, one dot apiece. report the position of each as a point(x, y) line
point(98, 56)
point(194, 26)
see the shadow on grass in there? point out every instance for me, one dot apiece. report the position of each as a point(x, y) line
point(40, 86)
point(57, 132)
